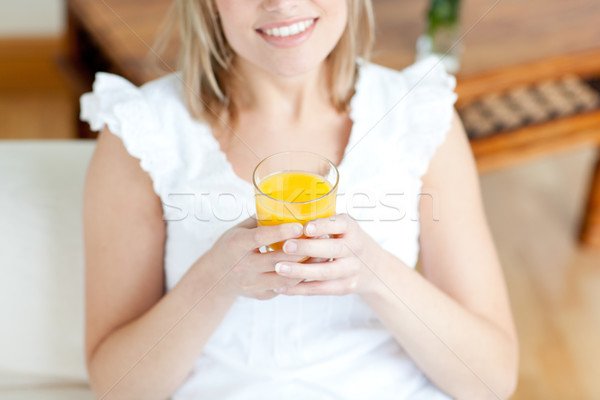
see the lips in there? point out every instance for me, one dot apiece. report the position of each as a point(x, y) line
point(289, 30)
point(289, 33)
point(287, 23)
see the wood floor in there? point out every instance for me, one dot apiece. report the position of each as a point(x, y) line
point(533, 210)
point(554, 286)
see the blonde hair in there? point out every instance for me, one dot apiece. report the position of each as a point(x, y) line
point(206, 58)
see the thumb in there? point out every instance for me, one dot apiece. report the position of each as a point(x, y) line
point(248, 223)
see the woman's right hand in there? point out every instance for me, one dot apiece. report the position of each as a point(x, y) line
point(248, 272)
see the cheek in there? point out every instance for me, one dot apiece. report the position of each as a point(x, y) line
point(235, 21)
point(335, 8)
point(336, 12)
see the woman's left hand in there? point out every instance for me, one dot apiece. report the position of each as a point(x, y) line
point(355, 258)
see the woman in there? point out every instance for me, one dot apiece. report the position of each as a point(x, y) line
point(181, 303)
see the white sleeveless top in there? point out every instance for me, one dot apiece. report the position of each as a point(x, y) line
point(321, 347)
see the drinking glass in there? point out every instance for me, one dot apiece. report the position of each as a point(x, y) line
point(294, 186)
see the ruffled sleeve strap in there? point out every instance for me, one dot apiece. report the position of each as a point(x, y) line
point(429, 111)
point(125, 110)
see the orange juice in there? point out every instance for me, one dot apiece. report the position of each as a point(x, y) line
point(294, 196)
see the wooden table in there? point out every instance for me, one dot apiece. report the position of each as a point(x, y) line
point(507, 43)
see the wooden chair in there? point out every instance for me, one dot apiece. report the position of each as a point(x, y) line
point(555, 132)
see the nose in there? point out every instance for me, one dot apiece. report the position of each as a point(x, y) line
point(280, 6)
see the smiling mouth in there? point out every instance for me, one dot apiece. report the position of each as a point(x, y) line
point(289, 30)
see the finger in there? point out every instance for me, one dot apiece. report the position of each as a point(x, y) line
point(337, 287)
point(268, 281)
point(324, 248)
point(316, 260)
point(266, 235)
point(274, 284)
point(248, 223)
point(267, 261)
point(335, 225)
point(338, 269)
point(272, 281)
point(309, 260)
point(263, 295)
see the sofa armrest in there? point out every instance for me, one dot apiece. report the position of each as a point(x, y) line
point(41, 260)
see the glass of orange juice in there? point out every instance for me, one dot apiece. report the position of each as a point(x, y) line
point(294, 186)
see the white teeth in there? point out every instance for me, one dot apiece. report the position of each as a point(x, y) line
point(290, 30)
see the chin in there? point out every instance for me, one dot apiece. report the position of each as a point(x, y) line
point(291, 67)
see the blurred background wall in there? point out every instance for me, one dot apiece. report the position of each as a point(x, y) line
point(35, 101)
point(32, 18)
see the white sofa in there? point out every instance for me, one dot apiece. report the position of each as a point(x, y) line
point(42, 270)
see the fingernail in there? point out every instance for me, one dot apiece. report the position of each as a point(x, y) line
point(282, 268)
point(280, 290)
point(310, 229)
point(298, 229)
point(290, 247)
